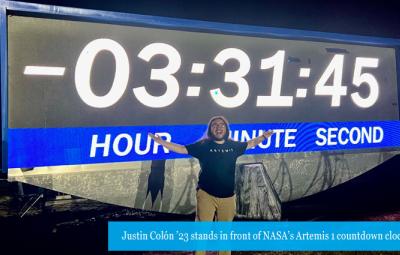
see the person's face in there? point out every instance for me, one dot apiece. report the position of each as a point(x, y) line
point(218, 129)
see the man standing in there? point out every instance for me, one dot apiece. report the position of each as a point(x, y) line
point(217, 155)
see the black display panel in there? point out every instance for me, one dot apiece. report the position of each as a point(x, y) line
point(66, 73)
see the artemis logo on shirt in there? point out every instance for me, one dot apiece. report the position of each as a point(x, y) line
point(221, 150)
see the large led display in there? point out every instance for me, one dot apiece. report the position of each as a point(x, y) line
point(87, 92)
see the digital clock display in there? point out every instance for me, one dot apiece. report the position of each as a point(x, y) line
point(66, 73)
point(83, 92)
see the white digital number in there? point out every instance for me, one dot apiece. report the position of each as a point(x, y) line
point(275, 99)
point(367, 78)
point(234, 77)
point(336, 90)
point(164, 74)
point(84, 67)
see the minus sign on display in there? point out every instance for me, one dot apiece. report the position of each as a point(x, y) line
point(44, 70)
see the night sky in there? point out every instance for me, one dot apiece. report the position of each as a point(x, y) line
point(373, 18)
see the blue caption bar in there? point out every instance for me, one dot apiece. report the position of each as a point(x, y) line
point(32, 147)
point(254, 236)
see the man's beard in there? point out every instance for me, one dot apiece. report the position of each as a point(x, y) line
point(218, 139)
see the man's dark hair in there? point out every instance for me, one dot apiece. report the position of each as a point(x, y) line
point(210, 135)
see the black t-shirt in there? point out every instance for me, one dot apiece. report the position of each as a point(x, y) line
point(217, 162)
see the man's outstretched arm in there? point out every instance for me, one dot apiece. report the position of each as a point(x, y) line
point(255, 141)
point(170, 146)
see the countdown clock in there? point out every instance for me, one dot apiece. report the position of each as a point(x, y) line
point(88, 89)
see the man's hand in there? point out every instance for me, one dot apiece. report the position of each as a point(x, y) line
point(255, 141)
point(156, 138)
point(268, 133)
